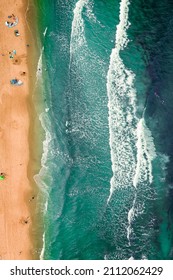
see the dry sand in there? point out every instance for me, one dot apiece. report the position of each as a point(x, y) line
point(16, 190)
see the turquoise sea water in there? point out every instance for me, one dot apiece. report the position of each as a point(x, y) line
point(105, 70)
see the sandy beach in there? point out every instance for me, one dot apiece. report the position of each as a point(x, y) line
point(17, 196)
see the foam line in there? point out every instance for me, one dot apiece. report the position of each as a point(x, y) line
point(122, 109)
point(77, 30)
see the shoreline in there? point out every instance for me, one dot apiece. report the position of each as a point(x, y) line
point(36, 132)
point(20, 138)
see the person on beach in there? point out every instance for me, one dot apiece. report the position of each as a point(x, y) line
point(16, 33)
point(2, 176)
point(32, 198)
point(13, 23)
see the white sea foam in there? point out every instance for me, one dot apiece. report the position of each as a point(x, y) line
point(121, 96)
point(45, 31)
point(39, 178)
point(121, 35)
point(44, 178)
point(46, 124)
point(131, 258)
point(78, 38)
point(77, 31)
point(43, 249)
point(145, 154)
point(143, 172)
point(131, 215)
point(90, 13)
point(44, 234)
point(128, 134)
point(144, 257)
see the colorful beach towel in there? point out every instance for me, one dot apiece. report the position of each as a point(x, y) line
point(16, 82)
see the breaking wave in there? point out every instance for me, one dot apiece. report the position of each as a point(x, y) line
point(121, 95)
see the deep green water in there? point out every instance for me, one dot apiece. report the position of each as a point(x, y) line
point(107, 164)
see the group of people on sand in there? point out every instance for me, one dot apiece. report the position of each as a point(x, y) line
point(11, 23)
